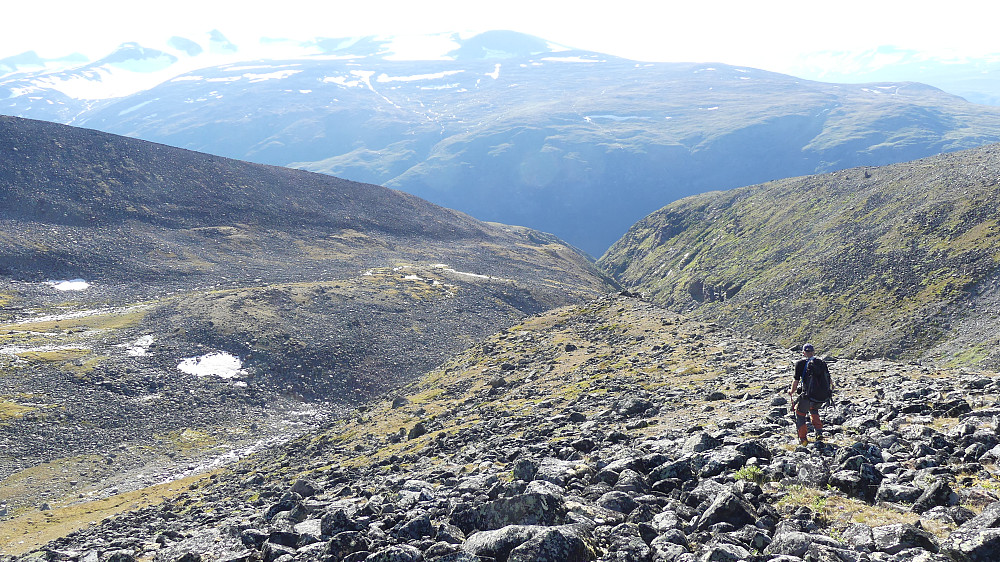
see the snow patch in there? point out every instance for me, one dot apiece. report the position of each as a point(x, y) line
point(70, 285)
point(140, 347)
point(135, 107)
point(277, 75)
point(435, 76)
point(219, 364)
point(589, 118)
point(570, 59)
point(447, 269)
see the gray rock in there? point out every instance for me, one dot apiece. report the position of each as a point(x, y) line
point(813, 472)
point(700, 442)
point(722, 552)
point(754, 448)
point(337, 521)
point(796, 543)
point(902, 536)
point(627, 545)
point(449, 533)
point(305, 487)
point(897, 493)
point(728, 508)
point(666, 520)
point(679, 469)
point(987, 519)
point(556, 544)
point(555, 471)
point(819, 552)
point(499, 543)
point(343, 544)
point(632, 406)
point(524, 509)
point(973, 545)
point(714, 463)
point(273, 551)
point(457, 557)
point(937, 494)
point(415, 528)
point(398, 553)
point(616, 501)
point(859, 537)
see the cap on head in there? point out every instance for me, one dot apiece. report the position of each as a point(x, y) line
point(808, 347)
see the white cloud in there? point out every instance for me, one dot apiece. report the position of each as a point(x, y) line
point(776, 35)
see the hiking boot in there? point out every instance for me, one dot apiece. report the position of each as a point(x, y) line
point(819, 436)
point(803, 441)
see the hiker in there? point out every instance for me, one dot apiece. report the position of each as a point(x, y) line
point(815, 390)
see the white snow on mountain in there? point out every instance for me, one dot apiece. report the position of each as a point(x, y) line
point(134, 68)
point(436, 76)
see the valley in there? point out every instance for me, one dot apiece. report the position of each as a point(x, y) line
point(205, 359)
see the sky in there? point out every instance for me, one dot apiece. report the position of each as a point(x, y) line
point(781, 36)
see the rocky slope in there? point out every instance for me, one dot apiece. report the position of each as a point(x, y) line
point(221, 303)
point(510, 128)
point(614, 430)
point(897, 261)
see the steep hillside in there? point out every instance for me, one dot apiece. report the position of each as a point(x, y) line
point(895, 261)
point(159, 305)
point(610, 431)
point(510, 128)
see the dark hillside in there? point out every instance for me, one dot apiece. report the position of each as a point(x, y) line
point(220, 301)
point(897, 261)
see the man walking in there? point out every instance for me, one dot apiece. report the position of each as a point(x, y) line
point(815, 390)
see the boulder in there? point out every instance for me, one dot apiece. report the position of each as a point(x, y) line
point(700, 442)
point(937, 494)
point(796, 543)
point(895, 538)
point(556, 544)
point(343, 544)
point(397, 553)
point(729, 508)
point(523, 509)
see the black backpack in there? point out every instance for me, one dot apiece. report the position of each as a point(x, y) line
point(816, 377)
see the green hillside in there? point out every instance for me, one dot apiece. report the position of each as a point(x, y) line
point(896, 261)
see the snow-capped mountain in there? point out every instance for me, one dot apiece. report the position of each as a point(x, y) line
point(505, 126)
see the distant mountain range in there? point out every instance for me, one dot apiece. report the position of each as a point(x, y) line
point(976, 80)
point(505, 126)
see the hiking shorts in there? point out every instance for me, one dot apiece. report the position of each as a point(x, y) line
point(804, 405)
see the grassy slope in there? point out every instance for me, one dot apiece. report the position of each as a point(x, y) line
point(873, 260)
